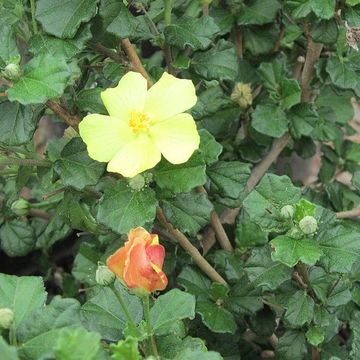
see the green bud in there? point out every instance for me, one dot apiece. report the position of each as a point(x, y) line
point(137, 182)
point(242, 95)
point(20, 207)
point(104, 276)
point(6, 318)
point(308, 225)
point(12, 71)
point(287, 212)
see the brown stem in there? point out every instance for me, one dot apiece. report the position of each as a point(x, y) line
point(205, 10)
point(24, 162)
point(218, 228)
point(168, 60)
point(3, 94)
point(53, 193)
point(315, 354)
point(312, 55)
point(239, 42)
point(260, 170)
point(64, 114)
point(101, 49)
point(39, 213)
point(183, 241)
point(135, 60)
point(348, 214)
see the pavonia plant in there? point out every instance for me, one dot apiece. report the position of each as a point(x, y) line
point(179, 179)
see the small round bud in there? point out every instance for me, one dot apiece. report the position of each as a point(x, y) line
point(104, 276)
point(137, 182)
point(20, 207)
point(242, 95)
point(287, 212)
point(12, 71)
point(308, 225)
point(6, 318)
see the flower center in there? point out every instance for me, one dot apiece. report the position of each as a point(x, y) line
point(139, 121)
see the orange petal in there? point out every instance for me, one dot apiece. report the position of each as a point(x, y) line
point(116, 262)
point(156, 254)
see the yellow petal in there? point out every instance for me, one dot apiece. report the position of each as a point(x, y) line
point(177, 138)
point(129, 95)
point(135, 157)
point(170, 96)
point(104, 135)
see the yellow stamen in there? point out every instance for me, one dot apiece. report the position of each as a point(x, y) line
point(139, 121)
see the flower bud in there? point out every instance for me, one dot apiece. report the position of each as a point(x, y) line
point(137, 182)
point(12, 71)
point(6, 318)
point(138, 264)
point(287, 212)
point(242, 95)
point(104, 276)
point(20, 207)
point(308, 225)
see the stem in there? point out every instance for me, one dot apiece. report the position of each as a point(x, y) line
point(348, 214)
point(152, 343)
point(40, 214)
point(205, 10)
point(25, 162)
point(101, 49)
point(134, 59)
point(218, 228)
point(33, 20)
point(167, 11)
point(124, 307)
point(12, 336)
point(183, 241)
point(64, 114)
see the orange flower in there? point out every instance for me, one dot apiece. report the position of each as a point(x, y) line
point(139, 262)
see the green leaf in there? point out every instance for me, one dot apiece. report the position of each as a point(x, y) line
point(126, 349)
point(355, 180)
point(269, 120)
point(194, 32)
point(264, 203)
point(22, 295)
point(340, 247)
point(290, 93)
point(290, 251)
point(315, 335)
point(258, 12)
point(173, 306)
point(7, 352)
point(188, 212)
point(75, 211)
point(299, 309)
point(17, 238)
point(76, 344)
point(248, 233)
point(303, 119)
point(63, 19)
point(229, 178)
point(210, 149)
point(17, 124)
point(355, 327)
point(42, 43)
point(244, 299)
point(304, 208)
point(325, 31)
point(343, 108)
point(193, 281)
point(352, 2)
point(260, 39)
point(122, 209)
point(75, 168)
point(342, 73)
point(183, 177)
point(216, 318)
point(8, 47)
point(89, 100)
point(324, 9)
point(263, 271)
point(189, 354)
point(103, 313)
point(218, 63)
point(45, 77)
point(39, 334)
point(117, 19)
point(292, 346)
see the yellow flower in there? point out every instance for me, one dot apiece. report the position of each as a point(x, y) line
point(142, 124)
